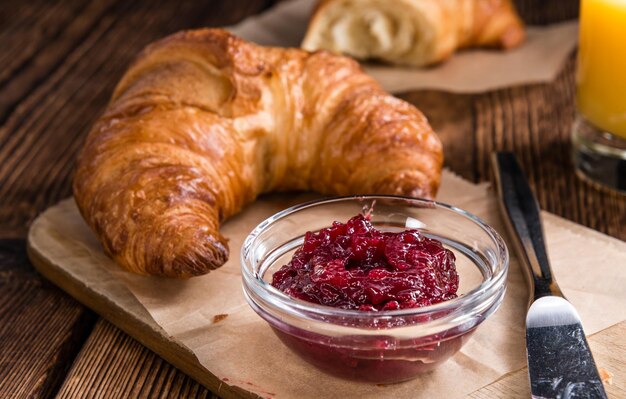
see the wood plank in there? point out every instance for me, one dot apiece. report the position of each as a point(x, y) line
point(541, 12)
point(607, 355)
point(27, 27)
point(112, 364)
point(119, 307)
point(41, 328)
point(30, 59)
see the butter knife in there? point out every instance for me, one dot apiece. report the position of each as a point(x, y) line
point(560, 364)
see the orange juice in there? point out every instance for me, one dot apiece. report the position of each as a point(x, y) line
point(601, 77)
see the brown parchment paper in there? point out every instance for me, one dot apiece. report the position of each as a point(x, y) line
point(538, 60)
point(241, 349)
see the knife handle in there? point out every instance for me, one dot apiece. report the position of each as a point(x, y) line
point(520, 211)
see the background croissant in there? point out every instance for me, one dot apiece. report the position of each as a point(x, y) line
point(203, 122)
point(412, 32)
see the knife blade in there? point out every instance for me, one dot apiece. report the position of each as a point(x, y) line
point(560, 363)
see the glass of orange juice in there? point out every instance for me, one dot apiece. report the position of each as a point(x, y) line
point(599, 133)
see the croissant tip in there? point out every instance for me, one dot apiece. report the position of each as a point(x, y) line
point(212, 255)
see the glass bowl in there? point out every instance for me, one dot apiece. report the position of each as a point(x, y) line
point(377, 346)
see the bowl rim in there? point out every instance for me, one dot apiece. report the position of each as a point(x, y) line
point(280, 299)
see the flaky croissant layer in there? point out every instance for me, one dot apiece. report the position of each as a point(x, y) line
point(203, 122)
point(412, 32)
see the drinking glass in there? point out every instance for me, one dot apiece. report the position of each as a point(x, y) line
point(599, 132)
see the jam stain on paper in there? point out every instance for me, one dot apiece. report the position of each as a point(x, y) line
point(270, 395)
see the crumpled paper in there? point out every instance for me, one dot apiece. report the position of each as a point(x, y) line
point(241, 349)
point(538, 60)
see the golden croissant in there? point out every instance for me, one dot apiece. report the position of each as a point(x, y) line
point(203, 122)
point(412, 32)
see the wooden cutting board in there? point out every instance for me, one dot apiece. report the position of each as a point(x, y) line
point(112, 300)
point(135, 321)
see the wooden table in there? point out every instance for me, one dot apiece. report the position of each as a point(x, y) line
point(59, 62)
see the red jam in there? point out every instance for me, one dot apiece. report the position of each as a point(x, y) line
point(356, 266)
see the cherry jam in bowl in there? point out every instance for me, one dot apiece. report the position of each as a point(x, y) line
point(390, 339)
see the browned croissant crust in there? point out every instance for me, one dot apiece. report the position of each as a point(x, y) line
point(412, 32)
point(203, 122)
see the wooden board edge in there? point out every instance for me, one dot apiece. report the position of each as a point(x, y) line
point(183, 359)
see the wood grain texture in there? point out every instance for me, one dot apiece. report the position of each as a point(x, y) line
point(607, 356)
point(541, 12)
point(41, 328)
point(112, 364)
point(33, 53)
point(58, 65)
